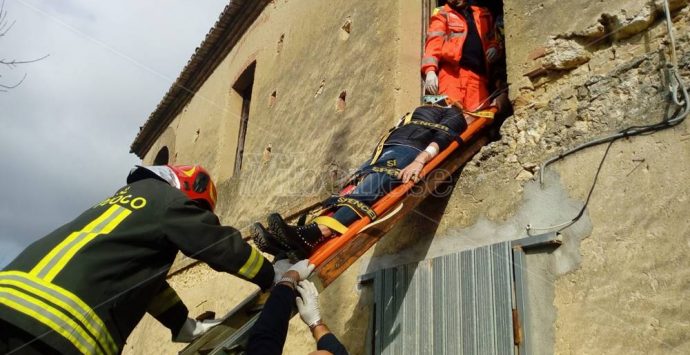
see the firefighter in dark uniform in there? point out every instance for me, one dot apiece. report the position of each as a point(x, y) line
point(85, 286)
point(168, 309)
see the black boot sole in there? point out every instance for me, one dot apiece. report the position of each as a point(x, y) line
point(277, 226)
point(263, 241)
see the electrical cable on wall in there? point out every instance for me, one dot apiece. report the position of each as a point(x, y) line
point(677, 90)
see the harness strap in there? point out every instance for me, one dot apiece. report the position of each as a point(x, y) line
point(406, 120)
point(431, 125)
point(382, 141)
point(393, 172)
point(359, 207)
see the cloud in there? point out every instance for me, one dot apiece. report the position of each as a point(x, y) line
point(65, 132)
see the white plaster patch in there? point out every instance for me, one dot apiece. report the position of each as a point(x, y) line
point(542, 206)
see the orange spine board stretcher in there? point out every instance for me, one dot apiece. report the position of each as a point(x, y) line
point(393, 197)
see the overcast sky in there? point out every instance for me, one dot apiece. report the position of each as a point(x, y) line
point(65, 131)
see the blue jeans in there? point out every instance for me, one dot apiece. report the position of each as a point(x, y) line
point(375, 185)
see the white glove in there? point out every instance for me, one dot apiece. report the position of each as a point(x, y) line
point(491, 54)
point(279, 268)
point(431, 82)
point(303, 268)
point(193, 329)
point(308, 304)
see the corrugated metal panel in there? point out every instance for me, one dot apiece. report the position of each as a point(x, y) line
point(455, 304)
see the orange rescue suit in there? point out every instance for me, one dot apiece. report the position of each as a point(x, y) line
point(443, 51)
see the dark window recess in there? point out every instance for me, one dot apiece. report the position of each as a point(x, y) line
point(243, 86)
point(163, 157)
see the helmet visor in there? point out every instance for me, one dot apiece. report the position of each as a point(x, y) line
point(201, 182)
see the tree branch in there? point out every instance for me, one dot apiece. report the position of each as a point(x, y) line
point(3, 20)
point(3, 87)
point(6, 26)
point(13, 63)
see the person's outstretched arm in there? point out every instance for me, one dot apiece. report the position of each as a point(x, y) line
point(269, 333)
point(308, 306)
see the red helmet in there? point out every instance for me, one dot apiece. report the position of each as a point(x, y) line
point(196, 183)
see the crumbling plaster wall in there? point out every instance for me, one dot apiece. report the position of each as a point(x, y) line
point(597, 69)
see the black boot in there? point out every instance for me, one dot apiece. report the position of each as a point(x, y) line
point(265, 241)
point(269, 243)
point(307, 237)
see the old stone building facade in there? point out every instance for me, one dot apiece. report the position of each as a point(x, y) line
point(284, 95)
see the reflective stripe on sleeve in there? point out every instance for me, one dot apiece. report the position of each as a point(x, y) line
point(253, 265)
point(163, 302)
point(432, 34)
point(429, 60)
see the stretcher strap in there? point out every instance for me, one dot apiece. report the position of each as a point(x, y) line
point(331, 223)
point(379, 146)
point(359, 207)
point(431, 125)
point(407, 120)
point(486, 114)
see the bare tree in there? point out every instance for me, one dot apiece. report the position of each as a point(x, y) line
point(5, 27)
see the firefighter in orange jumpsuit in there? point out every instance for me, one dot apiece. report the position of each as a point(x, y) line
point(460, 46)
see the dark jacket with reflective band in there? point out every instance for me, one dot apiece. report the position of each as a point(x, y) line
point(420, 137)
point(114, 258)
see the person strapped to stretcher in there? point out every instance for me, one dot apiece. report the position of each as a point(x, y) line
point(399, 157)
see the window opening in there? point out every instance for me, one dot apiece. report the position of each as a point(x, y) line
point(163, 157)
point(243, 86)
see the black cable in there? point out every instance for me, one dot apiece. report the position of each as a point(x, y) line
point(678, 117)
point(591, 189)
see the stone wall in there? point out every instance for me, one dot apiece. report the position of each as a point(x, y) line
point(595, 68)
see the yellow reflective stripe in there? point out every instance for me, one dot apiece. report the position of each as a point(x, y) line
point(486, 114)
point(62, 262)
point(435, 34)
point(253, 265)
point(39, 268)
point(382, 141)
point(331, 223)
point(64, 299)
point(52, 318)
point(163, 301)
point(248, 264)
point(408, 118)
point(257, 267)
